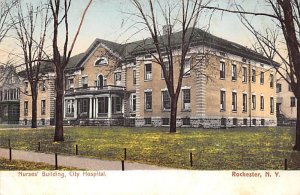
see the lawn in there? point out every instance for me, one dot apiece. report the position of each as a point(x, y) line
point(212, 149)
point(5, 164)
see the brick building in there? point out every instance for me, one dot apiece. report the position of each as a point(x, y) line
point(121, 84)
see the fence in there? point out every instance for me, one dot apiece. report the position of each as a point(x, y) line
point(233, 157)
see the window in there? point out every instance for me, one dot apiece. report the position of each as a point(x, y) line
point(290, 87)
point(186, 121)
point(165, 121)
point(271, 105)
point(187, 67)
point(70, 83)
point(262, 102)
point(101, 81)
point(244, 102)
point(148, 100)
point(262, 122)
point(101, 61)
point(147, 121)
point(26, 108)
point(148, 71)
point(253, 76)
point(254, 122)
point(133, 102)
point(167, 66)
point(271, 80)
point(43, 85)
point(103, 105)
point(43, 107)
point(117, 104)
point(186, 99)
point(11, 94)
point(233, 77)
point(26, 87)
point(166, 101)
point(222, 70)
point(262, 77)
point(69, 107)
point(293, 102)
point(84, 107)
point(244, 69)
point(278, 88)
point(223, 121)
point(253, 102)
point(118, 78)
point(43, 121)
point(234, 101)
point(134, 77)
point(84, 82)
point(4, 95)
point(222, 101)
point(234, 121)
point(245, 121)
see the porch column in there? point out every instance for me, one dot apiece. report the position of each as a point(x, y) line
point(75, 108)
point(95, 116)
point(109, 106)
point(91, 108)
point(96, 107)
point(123, 106)
point(64, 107)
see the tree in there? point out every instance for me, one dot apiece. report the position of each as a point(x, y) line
point(5, 23)
point(59, 10)
point(281, 41)
point(5, 26)
point(31, 41)
point(183, 15)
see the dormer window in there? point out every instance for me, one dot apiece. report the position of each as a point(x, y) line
point(101, 61)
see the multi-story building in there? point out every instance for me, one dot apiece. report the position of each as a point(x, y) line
point(286, 104)
point(9, 96)
point(225, 84)
point(45, 99)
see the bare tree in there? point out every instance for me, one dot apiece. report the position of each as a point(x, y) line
point(5, 23)
point(31, 39)
point(60, 10)
point(185, 16)
point(281, 41)
point(5, 26)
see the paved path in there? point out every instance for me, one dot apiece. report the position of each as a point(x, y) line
point(75, 161)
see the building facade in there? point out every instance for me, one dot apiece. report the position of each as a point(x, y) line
point(286, 105)
point(121, 84)
point(45, 100)
point(9, 96)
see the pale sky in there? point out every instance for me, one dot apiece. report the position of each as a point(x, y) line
point(106, 20)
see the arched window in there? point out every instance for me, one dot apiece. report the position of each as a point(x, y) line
point(101, 81)
point(101, 61)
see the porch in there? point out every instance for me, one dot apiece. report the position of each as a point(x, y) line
point(94, 104)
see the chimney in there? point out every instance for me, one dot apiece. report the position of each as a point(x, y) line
point(167, 29)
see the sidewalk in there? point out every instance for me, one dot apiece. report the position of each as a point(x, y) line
point(76, 162)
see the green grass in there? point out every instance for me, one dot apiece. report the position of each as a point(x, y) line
point(5, 164)
point(213, 149)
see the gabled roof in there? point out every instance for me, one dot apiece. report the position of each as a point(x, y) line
point(128, 51)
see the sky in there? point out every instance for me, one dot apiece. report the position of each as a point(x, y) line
point(109, 19)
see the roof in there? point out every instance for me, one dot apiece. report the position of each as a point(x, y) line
point(129, 51)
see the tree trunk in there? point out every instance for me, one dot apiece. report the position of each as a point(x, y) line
point(59, 129)
point(173, 114)
point(297, 141)
point(34, 110)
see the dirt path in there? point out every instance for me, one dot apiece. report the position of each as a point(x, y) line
point(75, 161)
